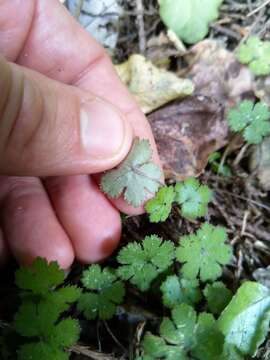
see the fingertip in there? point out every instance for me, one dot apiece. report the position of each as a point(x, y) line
point(30, 226)
point(4, 251)
point(92, 223)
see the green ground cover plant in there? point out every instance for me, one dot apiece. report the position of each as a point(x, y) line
point(204, 320)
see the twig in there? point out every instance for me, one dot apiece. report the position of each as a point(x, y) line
point(114, 337)
point(141, 28)
point(231, 144)
point(244, 198)
point(258, 233)
point(259, 8)
point(240, 155)
point(226, 31)
point(244, 225)
point(95, 355)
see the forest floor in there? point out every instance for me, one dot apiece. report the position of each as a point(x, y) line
point(240, 203)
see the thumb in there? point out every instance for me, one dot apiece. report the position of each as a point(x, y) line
point(48, 128)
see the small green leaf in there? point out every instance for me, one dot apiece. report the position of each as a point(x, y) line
point(40, 277)
point(65, 296)
point(41, 351)
point(34, 319)
point(141, 264)
point(136, 177)
point(256, 54)
point(106, 292)
point(217, 296)
point(176, 291)
point(180, 330)
point(252, 120)
point(155, 347)
point(189, 19)
point(160, 206)
point(245, 321)
point(65, 333)
point(209, 339)
point(193, 198)
point(39, 316)
point(184, 335)
point(203, 253)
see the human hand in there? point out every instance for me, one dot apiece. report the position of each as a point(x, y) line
point(63, 113)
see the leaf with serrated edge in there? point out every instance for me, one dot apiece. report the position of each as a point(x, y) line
point(255, 53)
point(160, 206)
point(204, 253)
point(179, 330)
point(141, 264)
point(40, 277)
point(209, 339)
point(193, 198)
point(217, 296)
point(105, 291)
point(253, 121)
point(176, 291)
point(137, 177)
point(65, 333)
point(156, 348)
point(41, 351)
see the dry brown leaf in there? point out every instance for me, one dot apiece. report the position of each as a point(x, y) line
point(187, 132)
point(164, 46)
point(260, 163)
point(262, 89)
point(152, 86)
point(216, 72)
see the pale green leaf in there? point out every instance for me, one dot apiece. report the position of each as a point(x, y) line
point(193, 198)
point(189, 19)
point(136, 177)
point(255, 53)
point(176, 291)
point(252, 120)
point(245, 321)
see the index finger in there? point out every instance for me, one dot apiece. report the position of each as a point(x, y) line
point(44, 37)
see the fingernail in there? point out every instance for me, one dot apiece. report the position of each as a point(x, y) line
point(103, 129)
